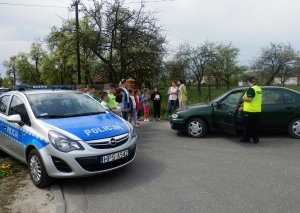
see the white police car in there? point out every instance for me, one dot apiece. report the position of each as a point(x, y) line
point(63, 134)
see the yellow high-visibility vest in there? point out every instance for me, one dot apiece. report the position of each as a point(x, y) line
point(255, 104)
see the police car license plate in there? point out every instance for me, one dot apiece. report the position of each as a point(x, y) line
point(115, 156)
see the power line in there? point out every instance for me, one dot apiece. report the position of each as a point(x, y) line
point(51, 0)
point(150, 1)
point(31, 5)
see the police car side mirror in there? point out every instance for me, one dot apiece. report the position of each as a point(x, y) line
point(15, 119)
point(214, 104)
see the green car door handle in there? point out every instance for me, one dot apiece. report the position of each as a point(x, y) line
point(230, 113)
point(289, 108)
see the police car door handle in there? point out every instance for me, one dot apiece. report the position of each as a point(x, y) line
point(4, 127)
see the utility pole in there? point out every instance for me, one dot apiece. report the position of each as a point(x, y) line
point(77, 42)
point(14, 74)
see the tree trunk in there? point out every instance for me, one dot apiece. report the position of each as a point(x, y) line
point(228, 85)
point(199, 87)
point(209, 91)
point(217, 83)
point(15, 76)
point(72, 80)
point(112, 77)
point(271, 78)
point(63, 74)
point(37, 71)
point(87, 75)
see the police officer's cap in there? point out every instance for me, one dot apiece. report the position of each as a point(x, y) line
point(251, 79)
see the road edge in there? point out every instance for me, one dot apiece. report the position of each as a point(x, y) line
point(60, 204)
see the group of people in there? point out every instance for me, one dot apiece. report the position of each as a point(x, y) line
point(132, 103)
point(177, 96)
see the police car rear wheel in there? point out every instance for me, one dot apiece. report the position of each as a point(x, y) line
point(37, 170)
point(294, 128)
point(196, 128)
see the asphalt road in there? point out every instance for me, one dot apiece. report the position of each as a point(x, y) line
point(175, 173)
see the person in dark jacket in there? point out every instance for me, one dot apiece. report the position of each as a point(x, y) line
point(156, 98)
point(126, 100)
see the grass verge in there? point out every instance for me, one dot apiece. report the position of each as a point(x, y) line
point(12, 172)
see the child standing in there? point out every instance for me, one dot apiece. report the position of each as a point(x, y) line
point(132, 113)
point(156, 98)
point(146, 104)
point(104, 99)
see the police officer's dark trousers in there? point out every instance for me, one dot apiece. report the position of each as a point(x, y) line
point(252, 126)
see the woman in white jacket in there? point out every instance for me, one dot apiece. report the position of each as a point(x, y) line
point(173, 98)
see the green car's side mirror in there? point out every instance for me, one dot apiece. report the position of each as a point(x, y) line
point(214, 104)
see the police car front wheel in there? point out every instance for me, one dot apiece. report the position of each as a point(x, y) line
point(37, 170)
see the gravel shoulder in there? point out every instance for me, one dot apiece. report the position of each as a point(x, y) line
point(29, 199)
point(19, 195)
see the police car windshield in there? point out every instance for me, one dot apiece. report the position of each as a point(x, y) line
point(61, 105)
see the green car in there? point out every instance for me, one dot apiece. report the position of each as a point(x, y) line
point(280, 113)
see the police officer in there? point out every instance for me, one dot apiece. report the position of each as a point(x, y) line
point(252, 109)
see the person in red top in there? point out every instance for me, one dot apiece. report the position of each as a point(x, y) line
point(139, 106)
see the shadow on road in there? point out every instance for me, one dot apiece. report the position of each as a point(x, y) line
point(141, 171)
point(266, 139)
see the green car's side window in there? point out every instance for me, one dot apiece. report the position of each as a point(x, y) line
point(272, 96)
point(290, 97)
point(231, 100)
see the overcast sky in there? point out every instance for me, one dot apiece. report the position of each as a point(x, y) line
point(248, 24)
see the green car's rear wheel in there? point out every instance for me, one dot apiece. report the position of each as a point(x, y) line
point(294, 128)
point(196, 128)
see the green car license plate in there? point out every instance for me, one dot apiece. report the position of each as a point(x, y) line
point(114, 156)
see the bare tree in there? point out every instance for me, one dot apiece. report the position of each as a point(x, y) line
point(225, 63)
point(11, 69)
point(275, 59)
point(37, 54)
point(198, 59)
point(121, 38)
point(177, 69)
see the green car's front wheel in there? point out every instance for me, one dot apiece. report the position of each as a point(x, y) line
point(196, 127)
point(294, 128)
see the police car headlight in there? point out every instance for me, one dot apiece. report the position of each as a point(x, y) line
point(132, 134)
point(174, 115)
point(131, 131)
point(63, 143)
